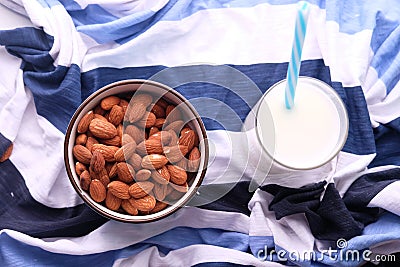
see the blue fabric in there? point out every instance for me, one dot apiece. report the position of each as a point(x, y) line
point(20, 212)
point(15, 253)
point(58, 89)
point(387, 139)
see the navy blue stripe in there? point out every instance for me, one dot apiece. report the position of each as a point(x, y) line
point(387, 138)
point(20, 212)
point(235, 200)
point(366, 187)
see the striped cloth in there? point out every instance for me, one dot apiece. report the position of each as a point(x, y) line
point(71, 48)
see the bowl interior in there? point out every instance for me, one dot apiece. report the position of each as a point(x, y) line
point(157, 90)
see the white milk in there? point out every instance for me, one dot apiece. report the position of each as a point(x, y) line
point(308, 135)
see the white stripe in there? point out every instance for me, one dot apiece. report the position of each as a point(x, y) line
point(343, 52)
point(348, 168)
point(121, 8)
point(384, 108)
point(347, 55)
point(13, 98)
point(388, 199)
point(69, 47)
point(10, 19)
point(291, 232)
point(190, 256)
point(115, 235)
point(234, 28)
point(349, 172)
point(38, 156)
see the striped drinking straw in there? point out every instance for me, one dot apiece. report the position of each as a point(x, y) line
point(295, 60)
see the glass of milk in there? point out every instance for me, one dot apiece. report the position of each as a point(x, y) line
point(298, 143)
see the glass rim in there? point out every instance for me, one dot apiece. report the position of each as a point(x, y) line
point(344, 123)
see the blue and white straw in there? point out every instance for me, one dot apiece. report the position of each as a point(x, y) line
point(295, 60)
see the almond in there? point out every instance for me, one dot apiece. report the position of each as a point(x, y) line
point(101, 117)
point(83, 124)
point(124, 104)
point(158, 111)
point(174, 138)
point(147, 120)
point(108, 102)
point(181, 188)
point(154, 161)
point(126, 139)
point(102, 176)
point(160, 191)
point(107, 151)
point(159, 123)
point(115, 141)
point(127, 206)
point(99, 110)
point(79, 168)
point(113, 171)
point(176, 126)
point(102, 129)
point(120, 130)
point(125, 152)
point(137, 134)
point(175, 195)
point(175, 153)
point(136, 161)
point(97, 191)
point(90, 142)
point(142, 175)
point(116, 115)
point(183, 163)
point(163, 137)
point(196, 137)
point(146, 203)
point(125, 172)
point(178, 175)
point(173, 113)
point(153, 130)
point(82, 154)
point(140, 189)
point(194, 160)
point(149, 146)
point(145, 99)
point(84, 180)
point(135, 111)
point(159, 207)
point(161, 175)
point(162, 103)
point(187, 138)
point(119, 189)
point(97, 162)
point(112, 202)
point(81, 139)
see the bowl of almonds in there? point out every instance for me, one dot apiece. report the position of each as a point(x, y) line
point(136, 151)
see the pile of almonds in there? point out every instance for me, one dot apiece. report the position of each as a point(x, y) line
point(134, 154)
